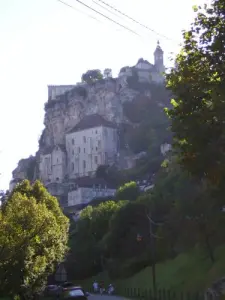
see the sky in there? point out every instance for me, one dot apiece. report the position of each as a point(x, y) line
point(45, 42)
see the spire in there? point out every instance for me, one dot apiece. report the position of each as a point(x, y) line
point(158, 48)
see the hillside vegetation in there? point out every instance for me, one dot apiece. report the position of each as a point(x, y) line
point(179, 224)
point(188, 272)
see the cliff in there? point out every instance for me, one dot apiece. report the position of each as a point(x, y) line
point(127, 102)
point(105, 98)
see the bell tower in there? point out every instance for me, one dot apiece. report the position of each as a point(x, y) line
point(158, 59)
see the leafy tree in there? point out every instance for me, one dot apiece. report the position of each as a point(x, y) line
point(92, 76)
point(125, 225)
point(88, 247)
point(107, 73)
point(33, 238)
point(197, 83)
point(111, 174)
point(128, 191)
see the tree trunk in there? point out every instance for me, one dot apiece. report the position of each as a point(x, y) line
point(209, 249)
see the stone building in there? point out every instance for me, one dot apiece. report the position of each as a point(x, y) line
point(146, 71)
point(52, 164)
point(86, 189)
point(82, 125)
point(92, 142)
point(57, 90)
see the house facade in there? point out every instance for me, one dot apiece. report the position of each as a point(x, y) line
point(86, 189)
point(92, 142)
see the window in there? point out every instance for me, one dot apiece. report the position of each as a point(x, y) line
point(72, 152)
point(72, 166)
point(84, 150)
point(84, 164)
point(73, 142)
point(84, 139)
point(96, 159)
point(78, 149)
point(96, 131)
point(96, 148)
point(99, 143)
point(76, 293)
point(57, 160)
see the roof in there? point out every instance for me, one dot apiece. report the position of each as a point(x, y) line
point(89, 182)
point(158, 48)
point(92, 121)
point(49, 150)
point(61, 85)
point(141, 60)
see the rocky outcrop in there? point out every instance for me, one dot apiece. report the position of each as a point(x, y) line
point(67, 110)
point(106, 97)
point(27, 168)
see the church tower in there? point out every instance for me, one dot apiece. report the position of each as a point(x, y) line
point(158, 59)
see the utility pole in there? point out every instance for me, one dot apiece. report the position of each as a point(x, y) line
point(153, 237)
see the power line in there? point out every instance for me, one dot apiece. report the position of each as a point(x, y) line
point(110, 11)
point(67, 4)
point(101, 14)
point(137, 22)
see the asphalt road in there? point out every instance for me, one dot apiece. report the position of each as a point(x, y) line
point(105, 297)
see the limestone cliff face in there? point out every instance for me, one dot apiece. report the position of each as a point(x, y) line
point(105, 98)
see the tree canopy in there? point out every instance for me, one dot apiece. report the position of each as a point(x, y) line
point(33, 239)
point(92, 76)
point(197, 84)
point(128, 191)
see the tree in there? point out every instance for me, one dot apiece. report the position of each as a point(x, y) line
point(197, 84)
point(88, 247)
point(33, 238)
point(128, 191)
point(92, 76)
point(111, 174)
point(107, 73)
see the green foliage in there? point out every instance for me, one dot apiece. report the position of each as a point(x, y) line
point(132, 81)
point(92, 76)
point(197, 84)
point(111, 174)
point(152, 124)
point(88, 247)
point(128, 191)
point(107, 73)
point(31, 168)
point(33, 237)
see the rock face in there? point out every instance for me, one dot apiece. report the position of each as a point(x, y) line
point(67, 106)
point(26, 169)
point(67, 110)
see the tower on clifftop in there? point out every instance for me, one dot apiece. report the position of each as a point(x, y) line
point(158, 59)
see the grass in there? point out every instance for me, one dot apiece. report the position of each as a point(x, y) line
point(191, 271)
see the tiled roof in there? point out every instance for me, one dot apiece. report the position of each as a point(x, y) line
point(141, 60)
point(92, 121)
point(49, 150)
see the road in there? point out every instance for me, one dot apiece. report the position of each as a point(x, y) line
point(105, 297)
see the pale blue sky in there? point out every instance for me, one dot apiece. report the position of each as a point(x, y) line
point(44, 42)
